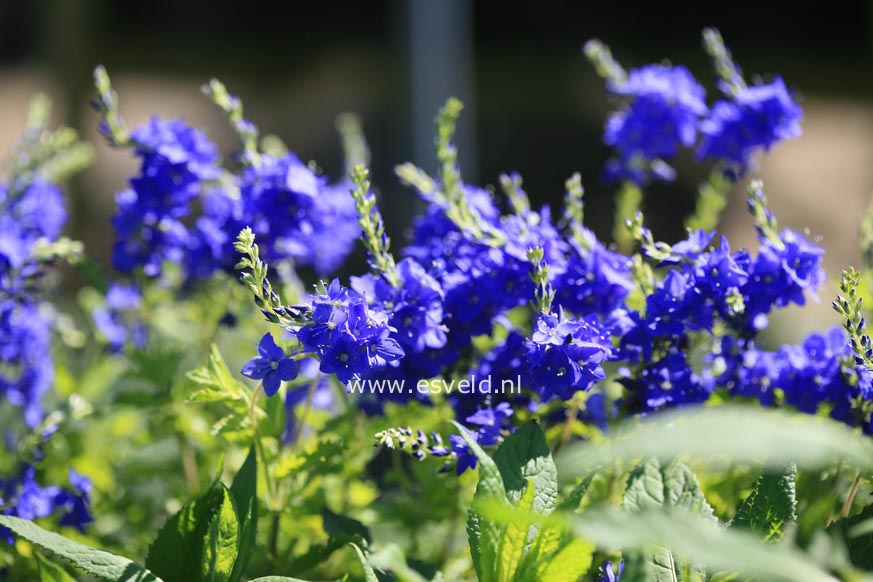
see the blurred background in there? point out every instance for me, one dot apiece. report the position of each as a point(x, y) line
point(533, 104)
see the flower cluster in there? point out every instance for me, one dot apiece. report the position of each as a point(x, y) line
point(663, 109)
point(488, 423)
point(32, 214)
point(185, 208)
point(346, 335)
point(565, 355)
point(24, 497)
point(818, 372)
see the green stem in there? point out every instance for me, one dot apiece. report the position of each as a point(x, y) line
point(304, 415)
point(628, 201)
point(259, 445)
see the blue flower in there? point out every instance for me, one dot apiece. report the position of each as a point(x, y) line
point(347, 336)
point(26, 367)
point(667, 383)
point(596, 280)
point(160, 141)
point(117, 319)
point(661, 115)
point(24, 497)
point(566, 355)
point(607, 572)
point(271, 366)
point(489, 422)
point(754, 119)
point(175, 160)
point(297, 215)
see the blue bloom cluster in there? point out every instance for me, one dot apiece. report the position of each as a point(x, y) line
point(663, 109)
point(184, 208)
point(24, 497)
point(30, 212)
point(488, 422)
point(818, 373)
point(346, 335)
point(565, 355)
point(661, 114)
point(702, 287)
point(753, 119)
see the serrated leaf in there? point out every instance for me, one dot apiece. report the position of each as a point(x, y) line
point(51, 572)
point(98, 563)
point(221, 542)
point(177, 551)
point(673, 487)
point(484, 534)
point(524, 455)
point(214, 381)
point(369, 574)
point(515, 535)
point(771, 504)
point(244, 493)
point(575, 495)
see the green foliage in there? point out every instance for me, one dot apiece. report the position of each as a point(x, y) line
point(770, 506)
point(51, 572)
point(696, 538)
point(100, 564)
point(243, 490)
point(711, 201)
point(671, 488)
point(628, 201)
point(857, 534)
point(211, 538)
point(510, 539)
point(740, 434)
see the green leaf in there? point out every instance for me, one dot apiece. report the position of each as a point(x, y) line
point(728, 434)
point(771, 504)
point(221, 543)
point(277, 579)
point(98, 563)
point(244, 493)
point(567, 564)
point(369, 574)
point(51, 572)
point(483, 534)
point(214, 381)
point(345, 529)
point(526, 455)
point(653, 487)
point(515, 536)
point(694, 537)
point(575, 495)
point(858, 537)
point(177, 552)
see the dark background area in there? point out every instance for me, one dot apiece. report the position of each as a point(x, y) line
point(533, 102)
